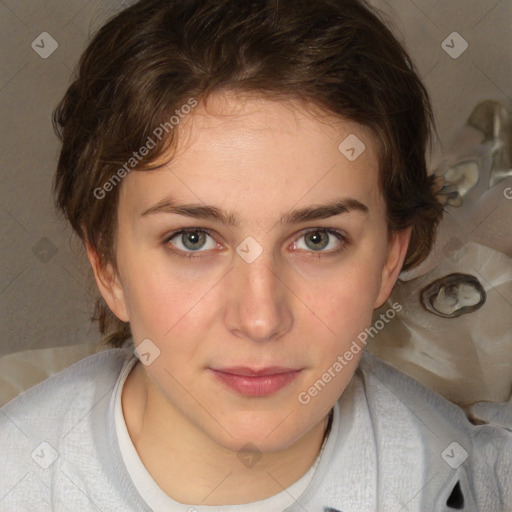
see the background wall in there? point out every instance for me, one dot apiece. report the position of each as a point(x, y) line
point(45, 288)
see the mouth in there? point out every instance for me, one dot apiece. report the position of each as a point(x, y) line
point(256, 382)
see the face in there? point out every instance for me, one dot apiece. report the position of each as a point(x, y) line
point(252, 260)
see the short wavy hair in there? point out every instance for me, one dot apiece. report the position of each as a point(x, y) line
point(151, 58)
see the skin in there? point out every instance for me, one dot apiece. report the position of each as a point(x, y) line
point(294, 306)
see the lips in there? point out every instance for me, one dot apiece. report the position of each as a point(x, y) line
point(256, 382)
point(250, 372)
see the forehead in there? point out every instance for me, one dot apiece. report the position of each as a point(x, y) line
point(250, 152)
point(228, 122)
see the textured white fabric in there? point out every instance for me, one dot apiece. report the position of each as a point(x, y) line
point(394, 445)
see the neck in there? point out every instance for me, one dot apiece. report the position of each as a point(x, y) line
point(191, 468)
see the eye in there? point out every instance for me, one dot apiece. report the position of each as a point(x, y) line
point(192, 240)
point(188, 242)
point(322, 240)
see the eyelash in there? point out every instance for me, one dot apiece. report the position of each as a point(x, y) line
point(197, 254)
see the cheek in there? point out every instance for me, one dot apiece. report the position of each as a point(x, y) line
point(345, 306)
point(345, 300)
point(347, 316)
point(160, 299)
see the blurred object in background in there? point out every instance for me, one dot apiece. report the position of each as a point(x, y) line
point(475, 181)
point(22, 370)
point(454, 333)
point(465, 358)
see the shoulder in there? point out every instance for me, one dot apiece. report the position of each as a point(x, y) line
point(402, 400)
point(61, 400)
point(55, 435)
point(454, 450)
point(386, 384)
point(84, 378)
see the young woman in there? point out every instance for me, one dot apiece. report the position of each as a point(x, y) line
point(248, 179)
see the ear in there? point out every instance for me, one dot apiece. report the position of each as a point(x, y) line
point(397, 250)
point(109, 284)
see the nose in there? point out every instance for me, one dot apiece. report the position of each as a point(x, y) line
point(258, 303)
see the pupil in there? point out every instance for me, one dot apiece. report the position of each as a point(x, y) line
point(193, 240)
point(319, 240)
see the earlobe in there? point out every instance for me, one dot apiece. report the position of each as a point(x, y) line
point(109, 284)
point(397, 251)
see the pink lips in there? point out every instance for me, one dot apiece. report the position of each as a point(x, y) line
point(251, 382)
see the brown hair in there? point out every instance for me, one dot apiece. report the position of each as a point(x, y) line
point(153, 57)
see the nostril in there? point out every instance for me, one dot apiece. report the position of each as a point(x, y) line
point(456, 498)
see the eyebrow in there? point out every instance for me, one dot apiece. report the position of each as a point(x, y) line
point(198, 211)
